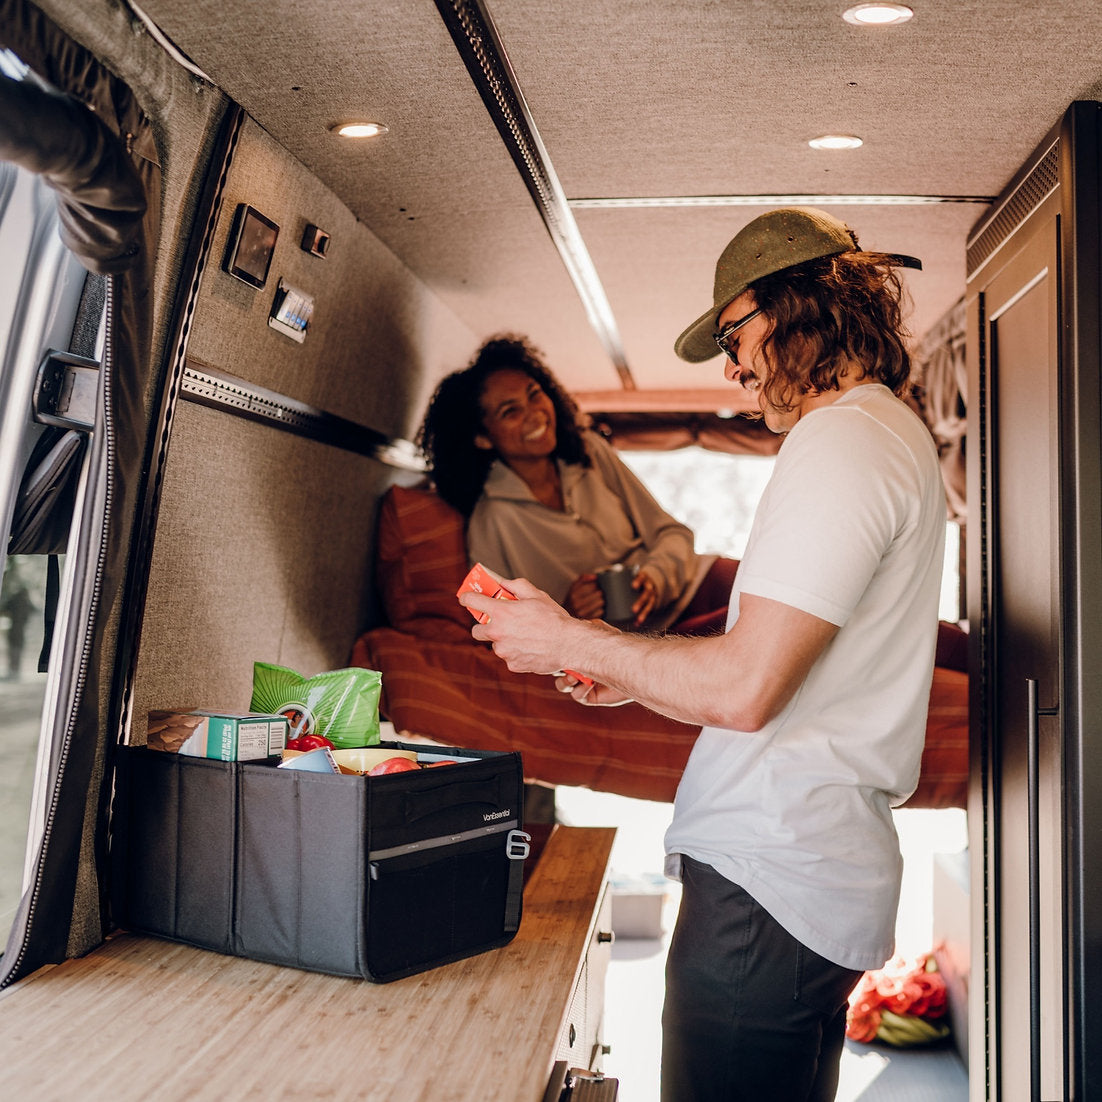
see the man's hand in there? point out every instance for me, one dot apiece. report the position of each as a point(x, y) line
point(530, 633)
point(593, 695)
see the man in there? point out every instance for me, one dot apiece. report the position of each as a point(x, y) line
point(813, 704)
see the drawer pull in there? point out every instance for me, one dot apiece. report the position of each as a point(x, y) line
point(605, 937)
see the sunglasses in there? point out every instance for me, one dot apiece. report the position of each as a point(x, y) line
point(723, 338)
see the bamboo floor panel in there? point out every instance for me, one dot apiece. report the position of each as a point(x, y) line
point(141, 1018)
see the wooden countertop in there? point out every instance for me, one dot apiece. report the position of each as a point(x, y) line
point(141, 1018)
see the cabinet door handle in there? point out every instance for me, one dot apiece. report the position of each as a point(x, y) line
point(1033, 795)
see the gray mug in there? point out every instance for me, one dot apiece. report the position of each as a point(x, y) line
point(615, 582)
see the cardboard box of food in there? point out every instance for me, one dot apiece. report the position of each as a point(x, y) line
point(224, 736)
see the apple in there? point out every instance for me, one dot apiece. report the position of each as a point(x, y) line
point(392, 765)
point(313, 742)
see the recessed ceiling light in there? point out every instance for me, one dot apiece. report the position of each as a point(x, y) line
point(835, 141)
point(358, 128)
point(877, 15)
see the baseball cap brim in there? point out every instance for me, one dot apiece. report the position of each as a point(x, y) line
point(697, 343)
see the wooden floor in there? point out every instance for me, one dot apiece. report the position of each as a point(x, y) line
point(145, 1019)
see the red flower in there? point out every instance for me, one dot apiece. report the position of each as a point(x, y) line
point(862, 1027)
point(909, 989)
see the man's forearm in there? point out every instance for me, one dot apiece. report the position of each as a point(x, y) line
point(739, 680)
point(673, 676)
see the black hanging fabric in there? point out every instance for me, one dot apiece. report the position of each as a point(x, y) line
point(87, 136)
point(53, 593)
point(101, 199)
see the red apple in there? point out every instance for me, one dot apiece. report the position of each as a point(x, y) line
point(313, 742)
point(391, 765)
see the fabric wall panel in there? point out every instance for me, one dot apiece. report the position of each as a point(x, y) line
point(378, 339)
point(263, 553)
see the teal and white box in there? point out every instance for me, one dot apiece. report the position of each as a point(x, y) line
point(223, 736)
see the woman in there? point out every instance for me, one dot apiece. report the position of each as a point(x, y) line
point(549, 500)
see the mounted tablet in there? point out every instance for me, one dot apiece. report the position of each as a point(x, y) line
point(251, 245)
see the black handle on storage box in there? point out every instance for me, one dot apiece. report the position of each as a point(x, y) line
point(431, 800)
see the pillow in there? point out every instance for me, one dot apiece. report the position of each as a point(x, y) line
point(943, 777)
point(421, 560)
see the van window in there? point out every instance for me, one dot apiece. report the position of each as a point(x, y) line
point(715, 493)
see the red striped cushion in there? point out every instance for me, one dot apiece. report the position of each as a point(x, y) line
point(421, 561)
point(943, 779)
point(462, 695)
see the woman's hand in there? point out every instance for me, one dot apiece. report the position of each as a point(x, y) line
point(645, 603)
point(584, 599)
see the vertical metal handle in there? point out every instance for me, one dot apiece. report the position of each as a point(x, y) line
point(1033, 810)
point(1034, 826)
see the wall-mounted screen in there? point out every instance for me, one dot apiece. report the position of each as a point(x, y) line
point(251, 245)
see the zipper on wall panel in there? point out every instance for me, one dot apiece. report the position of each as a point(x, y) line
point(986, 664)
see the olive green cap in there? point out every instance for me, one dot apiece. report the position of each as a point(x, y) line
point(770, 243)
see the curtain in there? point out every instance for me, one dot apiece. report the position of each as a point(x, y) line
point(943, 375)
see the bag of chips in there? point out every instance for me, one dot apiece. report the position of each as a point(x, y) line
point(341, 705)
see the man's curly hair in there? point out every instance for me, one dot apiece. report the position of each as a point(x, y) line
point(826, 314)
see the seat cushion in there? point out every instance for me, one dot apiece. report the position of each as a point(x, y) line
point(462, 695)
point(421, 561)
point(943, 778)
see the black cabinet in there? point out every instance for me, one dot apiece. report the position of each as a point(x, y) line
point(1035, 600)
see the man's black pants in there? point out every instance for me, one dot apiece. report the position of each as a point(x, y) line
point(750, 1013)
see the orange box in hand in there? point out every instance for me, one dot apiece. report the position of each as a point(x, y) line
point(478, 580)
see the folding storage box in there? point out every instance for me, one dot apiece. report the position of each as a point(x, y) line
point(373, 877)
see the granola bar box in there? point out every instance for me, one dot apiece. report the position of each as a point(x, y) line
point(223, 736)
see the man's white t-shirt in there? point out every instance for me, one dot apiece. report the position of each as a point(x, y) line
point(851, 529)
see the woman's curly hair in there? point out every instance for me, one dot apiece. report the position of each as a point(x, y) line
point(826, 314)
point(457, 466)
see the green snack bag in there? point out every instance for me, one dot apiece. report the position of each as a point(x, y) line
point(341, 705)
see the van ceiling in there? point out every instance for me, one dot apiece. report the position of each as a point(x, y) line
point(693, 114)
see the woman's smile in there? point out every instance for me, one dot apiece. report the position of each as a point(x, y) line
point(518, 417)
